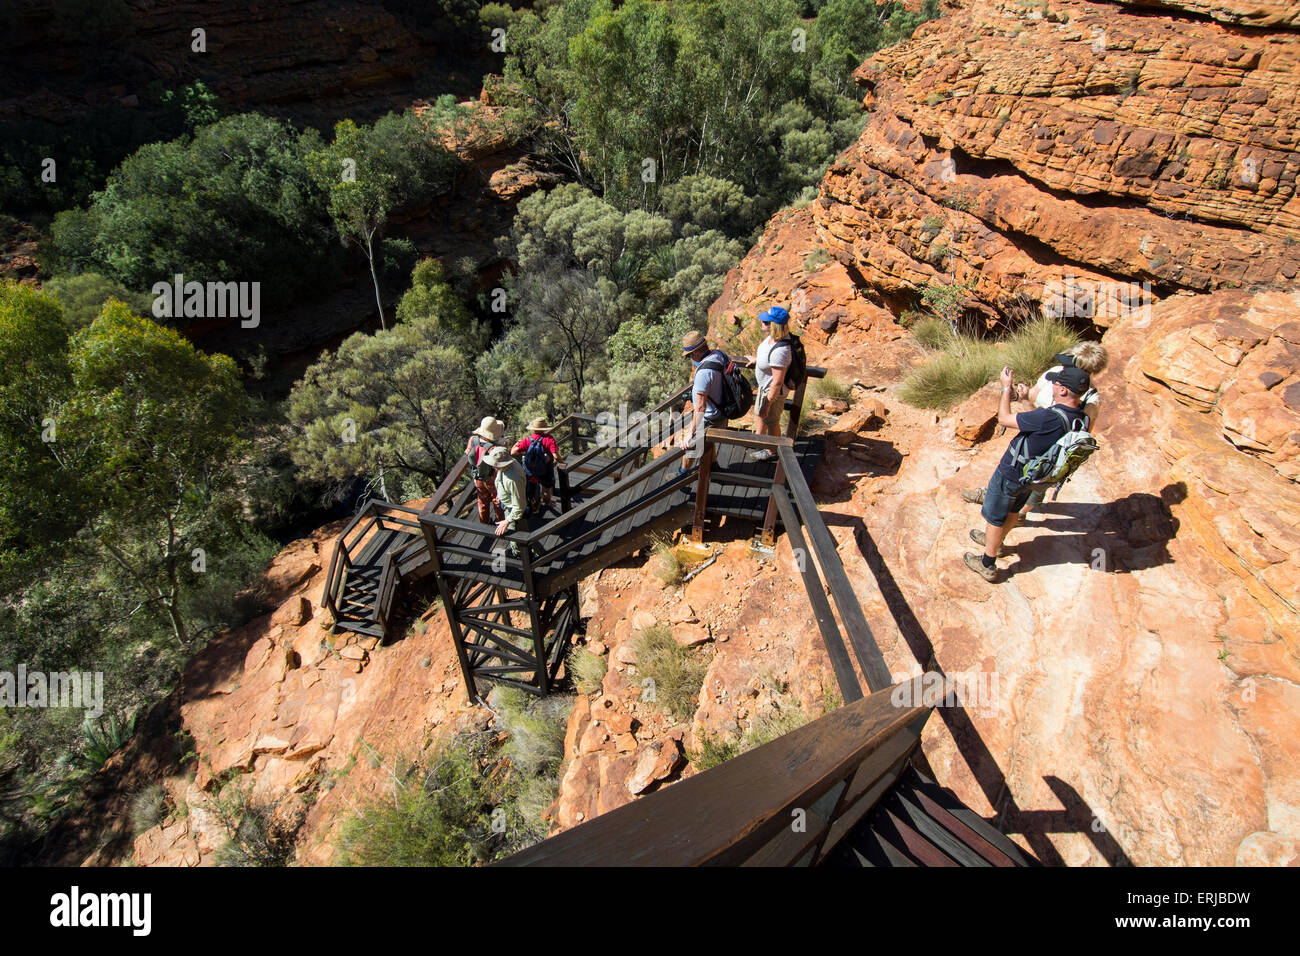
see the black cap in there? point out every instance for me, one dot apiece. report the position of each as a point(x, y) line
point(1063, 358)
point(1075, 379)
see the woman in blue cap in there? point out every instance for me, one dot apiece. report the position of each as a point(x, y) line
point(775, 354)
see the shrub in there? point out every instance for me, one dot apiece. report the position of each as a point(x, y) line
point(148, 808)
point(677, 672)
point(829, 388)
point(932, 225)
point(815, 260)
point(765, 727)
point(668, 565)
point(435, 816)
point(105, 737)
point(588, 670)
point(933, 333)
point(1029, 350)
point(952, 375)
point(256, 835)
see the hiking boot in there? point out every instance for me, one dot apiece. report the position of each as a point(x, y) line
point(977, 535)
point(973, 496)
point(975, 564)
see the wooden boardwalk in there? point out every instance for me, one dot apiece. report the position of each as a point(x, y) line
point(738, 488)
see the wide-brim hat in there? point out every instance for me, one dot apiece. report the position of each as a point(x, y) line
point(691, 341)
point(490, 428)
point(497, 457)
point(1073, 378)
point(539, 425)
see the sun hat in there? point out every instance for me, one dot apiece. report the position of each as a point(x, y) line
point(539, 425)
point(497, 457)
point(691, 341)
point(1075, 379)
point(490, 428)
point(775, 314)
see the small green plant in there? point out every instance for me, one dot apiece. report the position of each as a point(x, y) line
point(932, 225)
point(830, 389)
point(676, 672)
point(961, 201)
point(938, 255)
point(105, 737)
point(149, 808)
point(668, 566)
point(256, 835)
point(784, 717)
point(588, 670)
point(933, 333)
point(815, 260)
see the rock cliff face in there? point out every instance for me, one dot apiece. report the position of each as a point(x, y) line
point(311, 60)
point(1073, 146)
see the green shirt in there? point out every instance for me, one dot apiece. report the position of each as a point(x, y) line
point(510, 490)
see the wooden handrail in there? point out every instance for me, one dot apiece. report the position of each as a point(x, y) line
point(742, 811)
point(573, 514)
point(869, 657)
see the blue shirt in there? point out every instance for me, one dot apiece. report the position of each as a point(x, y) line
point(708, 382)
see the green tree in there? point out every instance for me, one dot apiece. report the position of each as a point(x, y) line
point(368, 172)
point(401, 400)
point(235, 202)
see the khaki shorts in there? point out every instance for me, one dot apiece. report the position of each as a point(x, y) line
point(773, 416)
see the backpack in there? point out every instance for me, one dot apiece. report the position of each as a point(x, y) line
point(1059, 462)
point(478, 448)
point(737, 393)
point(538, 462)
point(798, 369)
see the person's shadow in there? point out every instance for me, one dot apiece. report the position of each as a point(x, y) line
point(1129, 534)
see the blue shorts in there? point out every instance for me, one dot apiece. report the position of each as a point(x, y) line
point(1001, 498)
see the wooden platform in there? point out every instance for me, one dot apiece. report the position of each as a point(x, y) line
point(738, 488)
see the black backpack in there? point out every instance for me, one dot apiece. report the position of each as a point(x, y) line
point(538, 462)
point(477, 470)
point(798, 370)
point(737, 393)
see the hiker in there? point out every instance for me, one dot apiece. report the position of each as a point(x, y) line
point(1037, 431)
point(540, 457)
point(510, 492)
point(775, 355)
point(1089, 356)
point(481, 440)
point(706, 396)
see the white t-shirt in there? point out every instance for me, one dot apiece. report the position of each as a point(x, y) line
point(1043, 398)
point(771, 354)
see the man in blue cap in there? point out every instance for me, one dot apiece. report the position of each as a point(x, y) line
point(1036, 432)
point(775, 354)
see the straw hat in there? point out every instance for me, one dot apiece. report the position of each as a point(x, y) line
point(539, 425)
point(491, 429)
point(497, 457)
point(691, 341)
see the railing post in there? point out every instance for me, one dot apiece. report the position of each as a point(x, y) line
point(769, 519)
point(702, 492)
point(573, 435)
point(542, 678)
point(792, 427)
point(566, 494)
